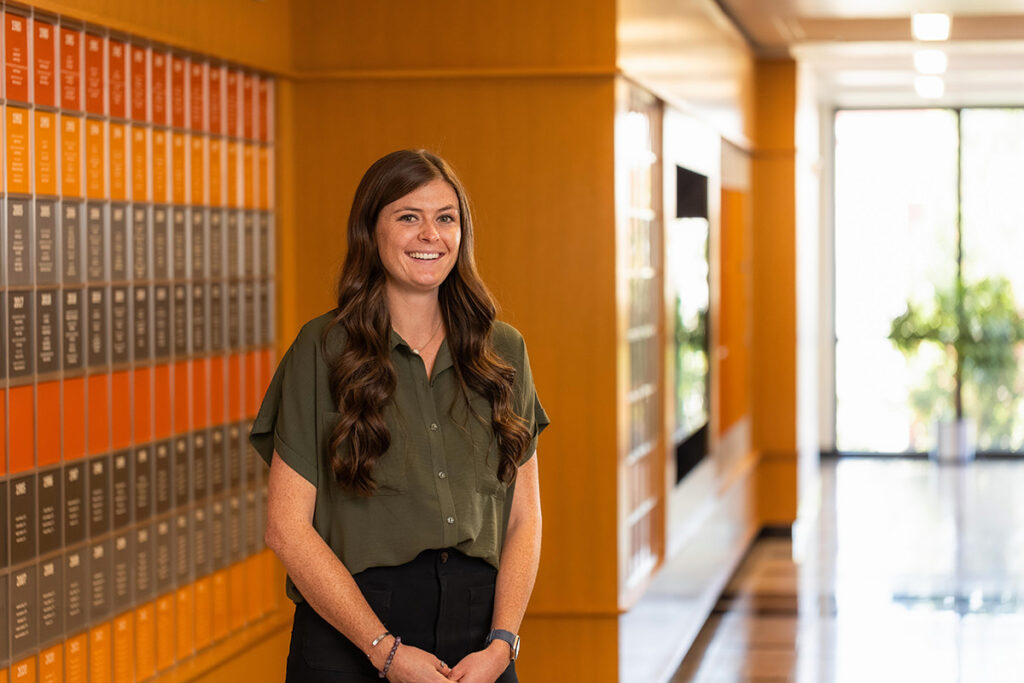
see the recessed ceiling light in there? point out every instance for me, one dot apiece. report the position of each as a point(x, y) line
point(931, 62)
point(929, 87)
point(930, 26)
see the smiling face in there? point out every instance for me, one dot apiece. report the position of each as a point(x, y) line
point(418, 237)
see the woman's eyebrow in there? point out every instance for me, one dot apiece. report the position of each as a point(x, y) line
point(449, 207)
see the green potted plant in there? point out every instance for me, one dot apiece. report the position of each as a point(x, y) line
point(979, 326)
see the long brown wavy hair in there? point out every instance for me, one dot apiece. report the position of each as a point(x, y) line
point(362, 376)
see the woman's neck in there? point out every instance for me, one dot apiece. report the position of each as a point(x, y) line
point(414, 315)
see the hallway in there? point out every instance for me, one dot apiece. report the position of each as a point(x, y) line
point(916, 575)
point(659, 194)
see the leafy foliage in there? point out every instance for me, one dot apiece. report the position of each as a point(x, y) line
point(978, 325)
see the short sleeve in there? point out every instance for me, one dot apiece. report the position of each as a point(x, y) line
point(527, 403)
point(286, 421)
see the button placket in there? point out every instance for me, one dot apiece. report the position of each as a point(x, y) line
point(435, 437)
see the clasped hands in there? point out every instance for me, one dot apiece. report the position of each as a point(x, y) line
point(413, 665)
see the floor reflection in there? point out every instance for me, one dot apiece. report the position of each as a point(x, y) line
point(917, 575)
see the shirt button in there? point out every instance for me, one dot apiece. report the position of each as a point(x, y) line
point(450, 520)
point(433, 426)
point(444, 556)
point(441, 475)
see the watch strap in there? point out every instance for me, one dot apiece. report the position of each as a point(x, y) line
point(511, 638)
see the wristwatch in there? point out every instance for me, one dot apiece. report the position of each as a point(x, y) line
point(511, 638)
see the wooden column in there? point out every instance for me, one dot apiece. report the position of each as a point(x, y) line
point(774, 294)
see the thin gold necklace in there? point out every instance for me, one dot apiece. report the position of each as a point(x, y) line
point(434, 334)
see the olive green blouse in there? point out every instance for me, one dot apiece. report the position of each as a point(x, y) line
point(437, 484)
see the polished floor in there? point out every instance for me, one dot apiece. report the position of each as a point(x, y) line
point(917, 574)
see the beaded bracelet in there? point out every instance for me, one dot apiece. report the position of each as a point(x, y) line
point(383, 673)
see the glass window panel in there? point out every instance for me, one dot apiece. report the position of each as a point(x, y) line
point(993, 246)
point(895, 230)
point(687, 273)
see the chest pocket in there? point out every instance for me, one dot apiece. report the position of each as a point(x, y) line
point(486, 455)
point(390, 470)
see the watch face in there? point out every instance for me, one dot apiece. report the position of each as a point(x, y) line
point(515, 649)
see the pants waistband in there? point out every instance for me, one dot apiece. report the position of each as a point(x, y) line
point(440, 562)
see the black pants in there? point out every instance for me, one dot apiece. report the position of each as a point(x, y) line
point(440, 602)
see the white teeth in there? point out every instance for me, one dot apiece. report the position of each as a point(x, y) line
point(425, 256)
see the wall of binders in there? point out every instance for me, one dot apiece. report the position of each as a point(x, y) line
point(137, 317)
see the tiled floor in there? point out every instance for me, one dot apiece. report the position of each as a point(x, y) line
point(917, 575)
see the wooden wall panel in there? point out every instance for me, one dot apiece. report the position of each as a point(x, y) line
point(734, 334)
point(777, 489)
point(461, 34)
point(536, 156)
point(774, 304)
point(569, 649)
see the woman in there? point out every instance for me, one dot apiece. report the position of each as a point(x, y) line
point(400, 429)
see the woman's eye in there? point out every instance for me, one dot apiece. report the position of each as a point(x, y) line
point(446, 218)
point(407, 218)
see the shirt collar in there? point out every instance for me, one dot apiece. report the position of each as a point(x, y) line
point(396, 339)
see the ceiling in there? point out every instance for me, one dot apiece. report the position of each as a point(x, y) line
point(862, 50)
